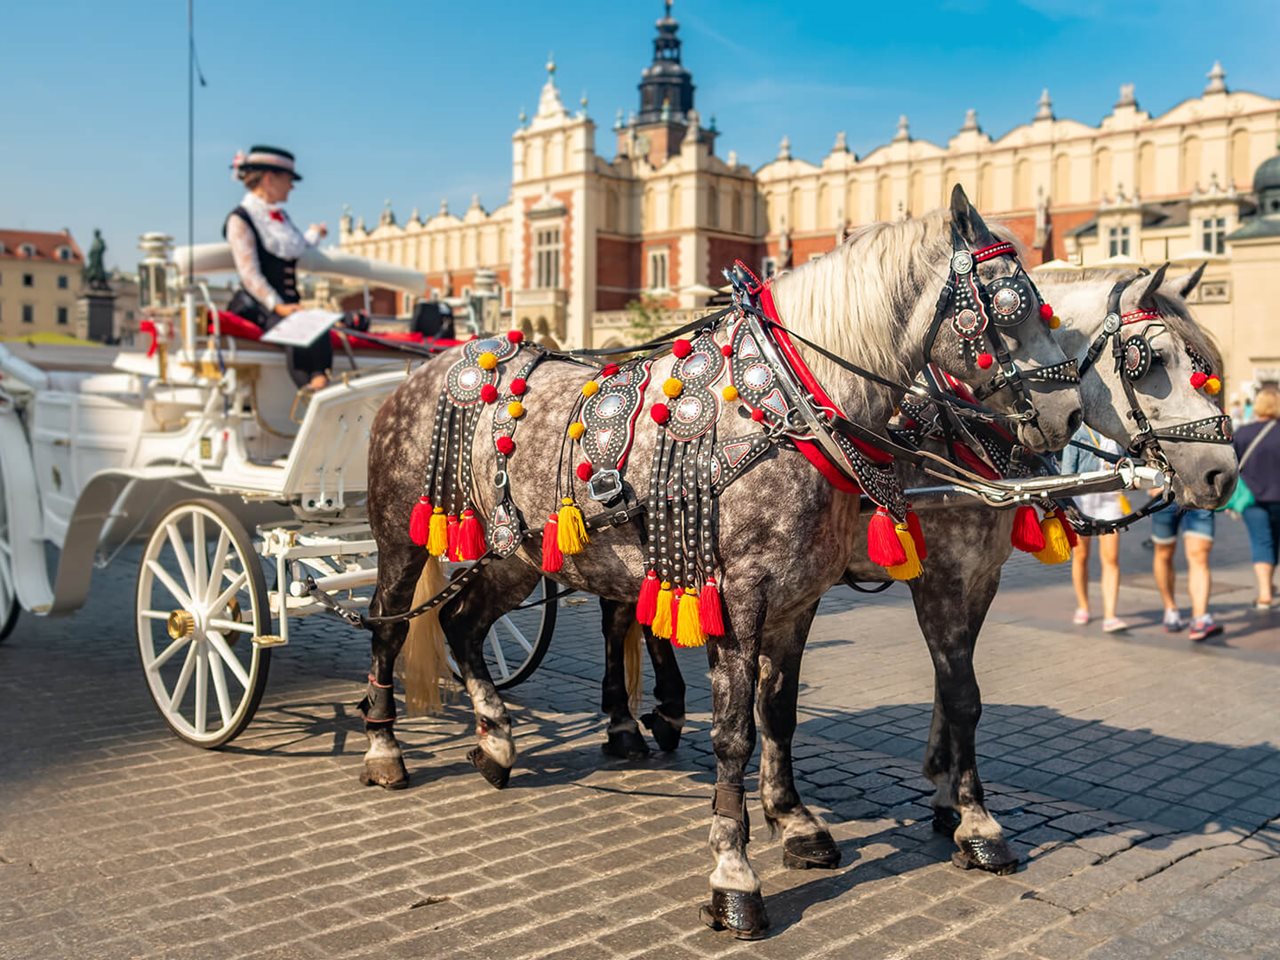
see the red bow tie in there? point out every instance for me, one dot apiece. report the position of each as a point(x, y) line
point(276, 215)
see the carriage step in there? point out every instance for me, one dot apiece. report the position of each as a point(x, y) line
point(269, 640)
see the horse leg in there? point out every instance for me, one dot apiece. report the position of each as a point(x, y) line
point(398, 570)
point(666, 720)
point(736, 903)
point(466, 620)
point(624, 738)
point(938, 767)
point(806, 841)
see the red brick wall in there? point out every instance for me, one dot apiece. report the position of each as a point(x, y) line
point(722, 251)
point(617, 265)
point(1024, 228)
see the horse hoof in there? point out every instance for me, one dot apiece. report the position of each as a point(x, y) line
point(489, 768)
point(994, 856)
point(664, 732)
point(386, 772)
point(945, 821)
point(740, 913)
point(818, 851)
point(625, 745)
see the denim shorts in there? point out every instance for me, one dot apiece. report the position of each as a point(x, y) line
point(1166, 523)
point(1263, 523)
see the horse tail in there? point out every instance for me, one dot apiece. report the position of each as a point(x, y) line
point(423, 664)
point(631, 665)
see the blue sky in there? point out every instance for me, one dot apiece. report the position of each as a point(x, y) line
point(416, 101)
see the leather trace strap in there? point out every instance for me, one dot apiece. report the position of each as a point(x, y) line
point(730, 801)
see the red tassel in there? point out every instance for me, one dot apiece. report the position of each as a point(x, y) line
point(1067, 528)
point(420, 521)
point(452, 553)
point(917, 534)
point(1027, 535)
point(552, 558)
point(647, 605)
point(709, 609)
point(675, 612)
point(471, 545)
point(883, 546)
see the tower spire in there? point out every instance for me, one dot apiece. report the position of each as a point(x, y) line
point(665, 79)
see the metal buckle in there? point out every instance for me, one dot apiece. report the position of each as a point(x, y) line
point(605, 486)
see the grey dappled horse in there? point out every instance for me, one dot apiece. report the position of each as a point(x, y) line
point(784, 534)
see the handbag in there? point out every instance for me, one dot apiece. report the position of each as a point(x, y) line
point(1242, 497)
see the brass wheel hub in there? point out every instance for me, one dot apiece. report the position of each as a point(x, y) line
point(180, 624)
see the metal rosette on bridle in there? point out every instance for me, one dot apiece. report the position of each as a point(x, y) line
point(969, 315)
point(507, 528)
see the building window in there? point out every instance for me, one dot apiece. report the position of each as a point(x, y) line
point(28, 313)
point(546, 255)
point(62, 282)
point(64, 253)
point(768, 267)
point(62, 316)
point(1118, 242)
point(28, 250)
point(657, 269)
point(28, 279)
point(1213, 235)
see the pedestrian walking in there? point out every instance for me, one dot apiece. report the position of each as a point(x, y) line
point(1081, 456)
point(1197, 527)
point(1257, 446)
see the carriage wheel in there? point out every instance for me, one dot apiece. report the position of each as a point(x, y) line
point(518, 640)
point(202, 599)
point(9, 608)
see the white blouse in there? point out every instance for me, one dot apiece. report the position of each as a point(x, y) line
point(280, 237)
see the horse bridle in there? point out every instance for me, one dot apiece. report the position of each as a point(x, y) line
point(978, 311)
point(1133, 357)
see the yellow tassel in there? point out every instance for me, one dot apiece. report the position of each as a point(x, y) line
point(576, 430)
point(911, 568)
point(438, 533)
point(661, 625)
point(571, 530)
point(689, 621)
point(1057, 548)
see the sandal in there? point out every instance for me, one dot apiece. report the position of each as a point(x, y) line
point(1264, 604)
point(1173, 622)
point(1114, 625)
point(1081, 617)
point(1203, 628)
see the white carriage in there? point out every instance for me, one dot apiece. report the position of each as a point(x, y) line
point(188, 449)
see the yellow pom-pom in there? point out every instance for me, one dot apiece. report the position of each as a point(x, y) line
point(1057, 548)
point(910, 568)
point(1213, 385)
point(590, 388)
point(672, 387)
point(1055, 322)
point(515, 409)
point(730, 393)
point(487, 361)
point(576, 430)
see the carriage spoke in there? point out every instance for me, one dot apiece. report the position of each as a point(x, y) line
point(154, 614)
point(236, 625)
point(162, 575)
point(220, 602)
point(202, 688)
point(516, 634)
point(219, 564)
point(225, 654)
point(184, 561)
point(499, 657)
point(220, 689)
point(163, 657)
point(184, 678)
point(199, 585)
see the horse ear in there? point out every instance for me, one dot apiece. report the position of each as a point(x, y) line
point(1148, 299)
point(967, 220)
point(1191, 281)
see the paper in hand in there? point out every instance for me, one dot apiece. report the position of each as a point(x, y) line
point(301, 329)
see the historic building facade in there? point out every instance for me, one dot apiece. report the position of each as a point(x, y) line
point(582, 235)
point(39, 282)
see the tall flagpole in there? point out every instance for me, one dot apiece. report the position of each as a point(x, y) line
point(189, 299)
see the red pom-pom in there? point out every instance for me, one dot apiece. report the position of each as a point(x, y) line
point(1198, 380)
point(985, 360)
point(471, 545)
point(420, 521)
point(506, 446)
point(681, 348)
point(709, 609)
point(647, 605)
point(488, 393)
point(727, 350)
point(1046, 312)
point(1067, 528)
point(883, 546)
point(552, 558)
point(1027, 535)
point(609, 370)
point(757, 415)
point(515, 336)
point(917, 534)
point(660, 413)
point(518, 387)
point(584, 471)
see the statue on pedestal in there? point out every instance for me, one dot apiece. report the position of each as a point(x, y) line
point(95, 272)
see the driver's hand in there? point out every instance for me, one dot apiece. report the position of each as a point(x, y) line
point(321, 229)
point(284, 309)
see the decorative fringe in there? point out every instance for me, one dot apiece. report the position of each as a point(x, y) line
point(1057, 549)
point(631, 666)
point(910, 568)
point(420, 521)
point(452, 527)
point(552, 558)
point(1067, 528)
point(438, 533)
point(1027, 535)
point(710, 610)
point(422, 663)
point(917, 534)
point(573, 531)
point(471, 545)
point(675, 614)
point(883, 546)
point(689, 632)
point(647, 605)
point(662, 624)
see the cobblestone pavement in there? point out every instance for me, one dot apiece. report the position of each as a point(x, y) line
point(1139, 778)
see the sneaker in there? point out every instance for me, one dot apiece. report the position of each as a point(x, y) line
point(1202, 628)
point(1114, 625)
point(1081, 617)
point(1173, 622)
point(1264, 604)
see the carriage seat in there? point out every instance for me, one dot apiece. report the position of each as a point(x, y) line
point(108, 384)
point(237, 326)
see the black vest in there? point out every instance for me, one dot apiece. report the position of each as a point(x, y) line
point(281, 274)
